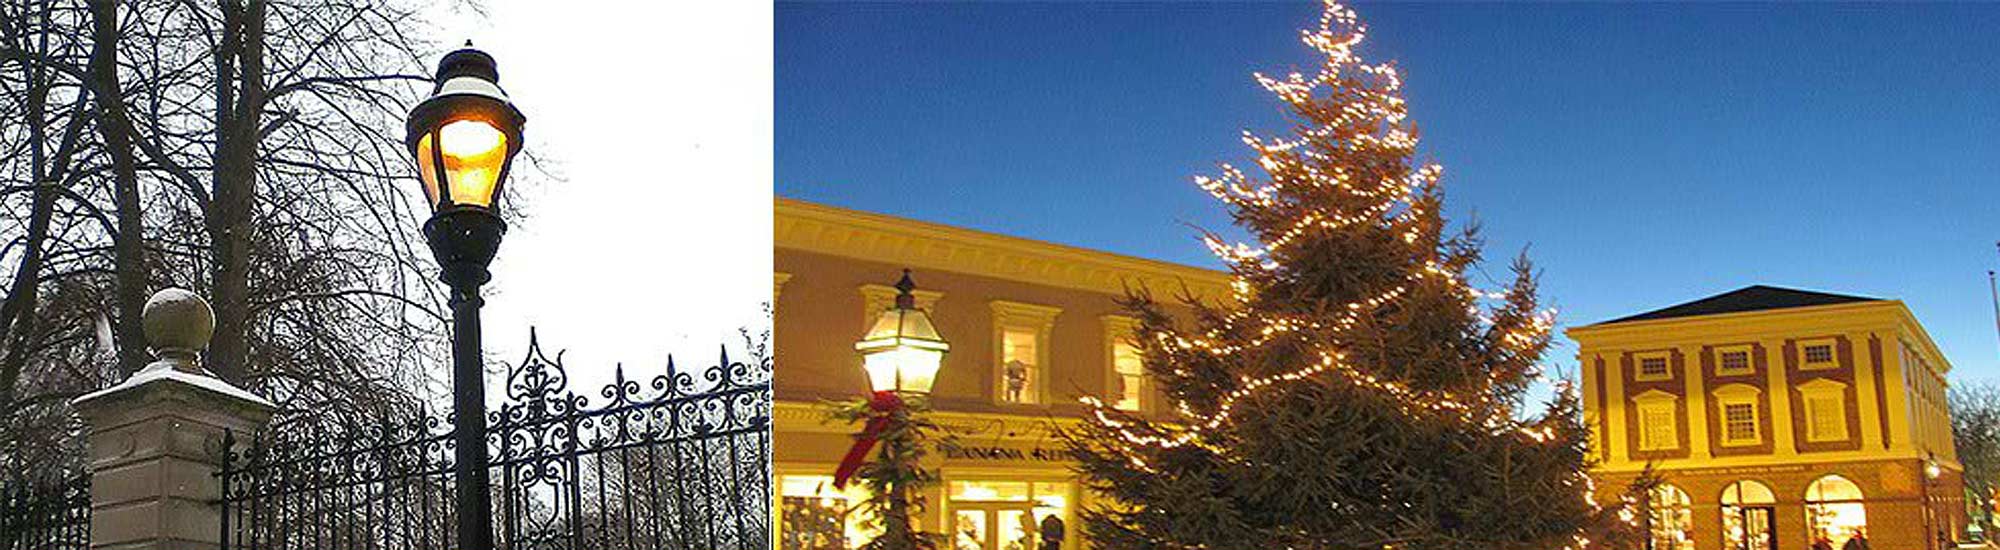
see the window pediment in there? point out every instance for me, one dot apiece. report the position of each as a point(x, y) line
point(1737, 390)
point(1655, 396)
point(1822, 385)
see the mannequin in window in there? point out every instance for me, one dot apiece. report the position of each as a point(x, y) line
point(1017, 380)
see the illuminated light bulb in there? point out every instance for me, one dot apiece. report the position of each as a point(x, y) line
point(471, 139)
point(473, 152)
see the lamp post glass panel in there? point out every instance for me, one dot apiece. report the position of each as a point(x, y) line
point(464, 137)
point(902, 351)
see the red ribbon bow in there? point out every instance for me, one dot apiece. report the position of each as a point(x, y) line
point(884, 403)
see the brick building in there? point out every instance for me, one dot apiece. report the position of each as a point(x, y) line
point(1776, 417)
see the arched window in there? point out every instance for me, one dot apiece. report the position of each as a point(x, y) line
point(1747, 523)
point(1834, 509)
point(1670, 521)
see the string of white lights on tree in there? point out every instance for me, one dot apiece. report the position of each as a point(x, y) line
point(1356, 117)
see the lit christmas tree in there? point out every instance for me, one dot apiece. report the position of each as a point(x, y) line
point(1358, 392)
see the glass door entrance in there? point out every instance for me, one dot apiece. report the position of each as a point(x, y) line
point(993, 526)
point(1008, 515)
point(1749, 528)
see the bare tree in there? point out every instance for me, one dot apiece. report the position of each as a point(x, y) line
point(1975, 429)
point(248, 149)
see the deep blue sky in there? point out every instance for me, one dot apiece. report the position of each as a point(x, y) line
point(1646, 154)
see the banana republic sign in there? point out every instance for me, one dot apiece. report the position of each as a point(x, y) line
point(995, 453)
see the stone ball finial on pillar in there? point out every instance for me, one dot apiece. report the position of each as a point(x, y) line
point(178, 324)
point(156, 439)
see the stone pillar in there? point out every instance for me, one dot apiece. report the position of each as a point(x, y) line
point(155, 440)
point(1695, 401)
point(1778, 393)
point(1864, 389)
point(1615, 372)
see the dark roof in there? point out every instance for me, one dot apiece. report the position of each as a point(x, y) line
point(1752, 298)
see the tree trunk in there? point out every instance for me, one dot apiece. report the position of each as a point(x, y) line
point(236, 188)
point(128, 244)
point(17, 312)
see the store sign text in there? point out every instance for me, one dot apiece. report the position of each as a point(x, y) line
point(1038, 454)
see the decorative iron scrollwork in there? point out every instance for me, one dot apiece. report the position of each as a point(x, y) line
point(674, 460)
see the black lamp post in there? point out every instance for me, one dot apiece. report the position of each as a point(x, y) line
point(464, 136)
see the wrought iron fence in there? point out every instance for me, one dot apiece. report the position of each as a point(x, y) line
point(45, 517)
point(675, 460)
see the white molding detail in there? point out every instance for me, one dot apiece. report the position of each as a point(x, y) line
point(809, 227)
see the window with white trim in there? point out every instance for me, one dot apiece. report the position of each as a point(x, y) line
point(1817, 354)
point(1732, 360)
point(1021, 351)
point(1020, 365)
point(1125, 381)
point(1740, 421)
point(1130, 380)
point(1654, 366)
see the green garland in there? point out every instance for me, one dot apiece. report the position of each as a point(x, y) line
point(896, 478)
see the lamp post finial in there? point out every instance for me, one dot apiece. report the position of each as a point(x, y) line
point(904, 299)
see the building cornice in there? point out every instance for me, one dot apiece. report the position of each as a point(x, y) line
point(1674, 465)
point(823, 229)
point(1731, 322)
point(1878, 315)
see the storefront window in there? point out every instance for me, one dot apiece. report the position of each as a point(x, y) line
point(1020, 376)
point(1671, 521)
point(1834, 510)
point(1009, 515)
point(815, 515)
point(1129, 376)
point(1747, 520)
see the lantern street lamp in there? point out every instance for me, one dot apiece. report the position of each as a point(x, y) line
point(902, 351)
point(463, 137)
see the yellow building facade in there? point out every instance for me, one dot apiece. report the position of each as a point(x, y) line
point(1033, 327)
point(1776, 417)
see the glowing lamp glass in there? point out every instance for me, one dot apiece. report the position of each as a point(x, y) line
point(903, 369)
point(474, 153)
point(902, 352)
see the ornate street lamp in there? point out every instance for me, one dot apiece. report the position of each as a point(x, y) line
point(464, 137)
point(902, 351)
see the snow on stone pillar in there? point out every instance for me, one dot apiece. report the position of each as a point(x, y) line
point(156, 438)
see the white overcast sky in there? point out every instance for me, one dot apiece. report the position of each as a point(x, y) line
point(657, 237)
